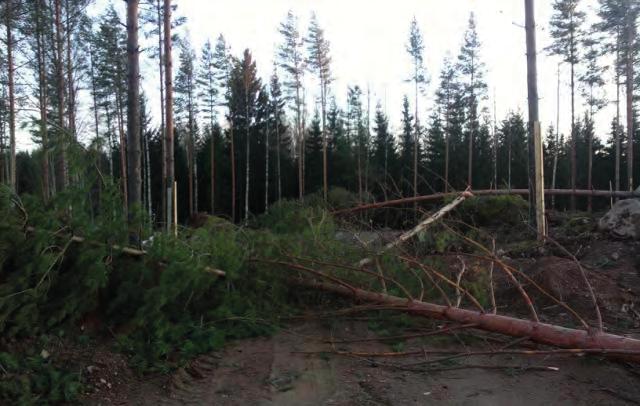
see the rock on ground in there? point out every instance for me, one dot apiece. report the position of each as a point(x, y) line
point(623, 220)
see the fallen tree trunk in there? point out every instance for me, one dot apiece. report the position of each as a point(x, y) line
point(549, 334)
point(491, 192)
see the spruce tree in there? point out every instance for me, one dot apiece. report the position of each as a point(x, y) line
point(186, 103)
point(383, 148)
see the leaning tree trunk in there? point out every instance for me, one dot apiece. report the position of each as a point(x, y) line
point(134, 175)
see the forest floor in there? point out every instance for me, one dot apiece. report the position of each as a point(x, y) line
point(322, 359)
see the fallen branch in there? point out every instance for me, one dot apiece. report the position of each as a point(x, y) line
point(500, 192)
point(132, 252)
point(603, 343)
point(421, 226)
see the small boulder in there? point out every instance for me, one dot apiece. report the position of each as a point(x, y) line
point(623, 220)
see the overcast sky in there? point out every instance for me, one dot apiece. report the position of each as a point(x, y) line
point(368, 40)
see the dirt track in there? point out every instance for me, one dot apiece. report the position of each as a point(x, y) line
point(268, 371)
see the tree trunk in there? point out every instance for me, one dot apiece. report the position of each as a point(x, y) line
point(541, 333)
point(134, 175)
point(70, 82)
point(536, 166)
point(248, 156)
point(631, 34)
point(61, 161)
point(266, 167)
point(323, 102)
point(233, 172)
point(168, 77)
point(573, 128)
point(163, 131)
point(617, 129)
point(556, 151)
point(12, 103)
point(278, 146)
point(213, 166)
point(416, 139)
point(42, 101)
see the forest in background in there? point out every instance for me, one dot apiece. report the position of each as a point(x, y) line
point(243, 142)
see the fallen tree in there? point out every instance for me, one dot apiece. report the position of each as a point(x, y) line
point(590, 341)
point(490, 192)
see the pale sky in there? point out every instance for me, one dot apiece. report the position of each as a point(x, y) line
point(368, 40)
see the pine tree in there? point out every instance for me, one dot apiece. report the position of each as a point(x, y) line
point(134, 161)
point(319, 62)
point(290, 59)
point(566, 31)
point(475, 88)
point(415, 48)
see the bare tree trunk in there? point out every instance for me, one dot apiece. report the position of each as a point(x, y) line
point(536, 177)
point(556, 152)
point(42, 101)
point(495, 142)
point(168, 77)
point(163, 128)
point(573, 128)
point(631, 34)
point(61, 162)
point(12, 103)
point(325, 176)
point(134, 175)
point(416, 139)
point(617, 129)
point(278, 151)
point(213, 168)
point(266, 167)
point(248, 156)
point(233, 172)
point(70, 81)
point(590, 151)
point(300, 144)
point(147, 156)
point(110, 140)
point(123, 150)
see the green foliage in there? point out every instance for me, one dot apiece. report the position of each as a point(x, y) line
point(493, 210)
point(32, 379)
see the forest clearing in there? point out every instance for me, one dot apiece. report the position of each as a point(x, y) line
point(186, 227)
